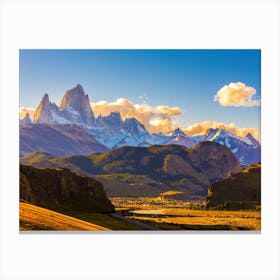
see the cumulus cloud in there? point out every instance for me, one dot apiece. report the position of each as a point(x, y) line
point(201, 128)
point(166, 110)
point(237, 94)
point(24, 110)
point(155, 119)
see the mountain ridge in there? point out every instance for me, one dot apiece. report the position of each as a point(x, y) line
point(149, 170)
point(57, 140)
point(112, 131)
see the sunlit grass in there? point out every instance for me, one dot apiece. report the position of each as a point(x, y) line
point(176, 217)
point(37, 218)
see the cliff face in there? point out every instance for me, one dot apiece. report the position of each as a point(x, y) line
point(61, 189)
point(241, 190)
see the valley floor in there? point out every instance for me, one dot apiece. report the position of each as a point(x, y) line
point(178, 216)
point(140, 214)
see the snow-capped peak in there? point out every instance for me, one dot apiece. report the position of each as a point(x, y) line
point(133, 126)
point(251, 140)
point(43, 111)
point(45, 98)
point(79, 101)
point(210, 134)
point(26, 120)
point(177, 132)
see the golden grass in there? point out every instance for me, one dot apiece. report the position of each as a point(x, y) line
point(250, 220)
point(37, 218)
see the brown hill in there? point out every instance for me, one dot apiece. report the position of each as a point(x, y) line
point(37, 218)
point(238, 191)
point(58, 189)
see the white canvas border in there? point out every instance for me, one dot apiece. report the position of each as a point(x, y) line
point(140, 24)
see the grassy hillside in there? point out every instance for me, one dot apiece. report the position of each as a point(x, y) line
point(37, 218)
point(149, 171)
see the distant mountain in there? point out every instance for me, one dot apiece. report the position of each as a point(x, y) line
point(45, 111)
point(178, 137)
point(59, 189)
point(247, 150)
point(238, 191)
point(26, 120)
point(74, 109)
point(76, 103)
point(250, 140)
point(57, 140)
point(149, 171)
point(112, 131)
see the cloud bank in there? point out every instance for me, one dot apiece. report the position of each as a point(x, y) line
point(237, 94)
point(200, 128)
point(155, 119)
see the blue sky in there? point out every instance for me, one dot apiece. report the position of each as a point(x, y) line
point(188, 79)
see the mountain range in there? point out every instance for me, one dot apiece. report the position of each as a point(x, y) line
point(58, 140)
point(148, 171)
point(74, 123)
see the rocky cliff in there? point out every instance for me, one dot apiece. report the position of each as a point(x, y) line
point(240, 190)
point(59, 189)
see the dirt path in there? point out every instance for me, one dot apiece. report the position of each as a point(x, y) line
point(144, 226)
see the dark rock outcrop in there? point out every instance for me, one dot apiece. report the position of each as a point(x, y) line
point(59, 189)
point(238, 191)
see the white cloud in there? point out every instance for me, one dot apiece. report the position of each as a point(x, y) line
point(24, 110)
point(237, 94)
point(155, 119)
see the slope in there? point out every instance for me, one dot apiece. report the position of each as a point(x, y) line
point(37, 218)
point(57, 140)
